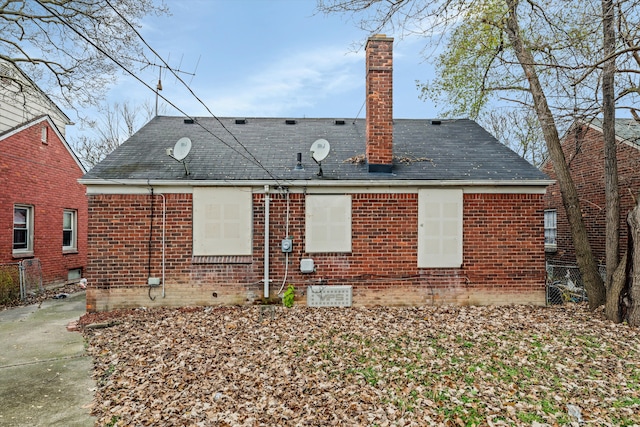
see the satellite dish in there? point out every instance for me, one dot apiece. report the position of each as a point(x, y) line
point(320, 150)
point(182, 148)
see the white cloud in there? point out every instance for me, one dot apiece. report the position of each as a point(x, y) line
point(290, 85)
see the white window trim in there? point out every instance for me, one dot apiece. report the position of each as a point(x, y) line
point(222, 221)
point(74, 230)
point(328, 223)
point(29, 220)
point(440, 225)
point(551, 247)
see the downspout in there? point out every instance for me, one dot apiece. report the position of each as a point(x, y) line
point(266, 241)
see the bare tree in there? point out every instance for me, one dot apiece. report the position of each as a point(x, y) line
point(519, 130)
point(73, 49)
point(612, 233)
point(550, 59)
point(592, 280)
point(116, 123)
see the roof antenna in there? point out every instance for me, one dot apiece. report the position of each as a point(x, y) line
point(160, 67)
point(159, 86)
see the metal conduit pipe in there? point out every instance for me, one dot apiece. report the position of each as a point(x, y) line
point(266, 241)
point(164, 221)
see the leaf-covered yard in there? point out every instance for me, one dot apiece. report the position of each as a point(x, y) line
point(482, 366)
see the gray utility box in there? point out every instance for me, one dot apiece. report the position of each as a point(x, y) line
point(329, 296)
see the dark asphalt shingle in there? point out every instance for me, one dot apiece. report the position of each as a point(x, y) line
point(265, 148)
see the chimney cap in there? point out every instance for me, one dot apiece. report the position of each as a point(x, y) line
point(380, 36)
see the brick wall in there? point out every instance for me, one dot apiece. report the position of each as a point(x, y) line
point(503, 254)
point(45, 177)
point(584, 151)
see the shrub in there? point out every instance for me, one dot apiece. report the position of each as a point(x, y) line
point(9, 286)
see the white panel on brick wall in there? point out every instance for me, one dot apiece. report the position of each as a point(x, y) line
point(329, 296)
point(439, 228)
point(222, 221)
point(328, 223)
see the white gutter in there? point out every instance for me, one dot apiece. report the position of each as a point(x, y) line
point(266, 241)
point(317, 182)
point(179, 186)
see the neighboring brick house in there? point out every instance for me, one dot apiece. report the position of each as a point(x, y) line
point(43, 208)
point(584, 150)
point(405, 212)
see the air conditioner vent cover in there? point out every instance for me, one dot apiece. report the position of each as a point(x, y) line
point(329, 296)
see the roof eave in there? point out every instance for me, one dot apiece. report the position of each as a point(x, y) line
point(318, 183)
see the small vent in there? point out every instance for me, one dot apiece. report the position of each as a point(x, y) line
point(189, 121)
point(329, 296)
point(436, 122)
point(241, 121)
point(6, 73)
point(339, 122)
point(290, 121)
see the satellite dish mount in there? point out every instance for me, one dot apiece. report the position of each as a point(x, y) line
point(319, 151)
point(180, 151)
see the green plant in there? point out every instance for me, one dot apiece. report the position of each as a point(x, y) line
point(9, 287)
point(114, 421)
point(289, 295)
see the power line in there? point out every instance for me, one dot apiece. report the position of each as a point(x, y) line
point(251, 157)
point(189, 89)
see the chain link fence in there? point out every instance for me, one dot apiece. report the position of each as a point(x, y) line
point(564, 284)
point(20, 280)
point(31, 281)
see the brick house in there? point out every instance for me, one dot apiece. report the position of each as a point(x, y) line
point(43, 208)
point(584, 150)
point(400, 212)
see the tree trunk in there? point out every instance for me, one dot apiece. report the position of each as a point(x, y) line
point(613, 308)
point(633, 313)
point(612, 228)
point(593, 283)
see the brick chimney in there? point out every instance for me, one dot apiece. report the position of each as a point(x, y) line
point(379, 131)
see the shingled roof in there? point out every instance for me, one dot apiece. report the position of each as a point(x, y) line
point(258, 149)
point(626, 129)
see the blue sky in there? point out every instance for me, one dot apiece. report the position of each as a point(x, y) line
point(272, 58)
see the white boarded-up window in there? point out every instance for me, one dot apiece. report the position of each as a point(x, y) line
point(328, 223)
point(222, 221)
point(439, 228)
